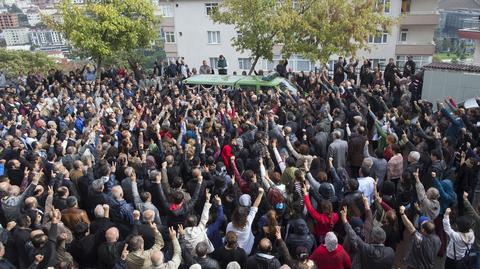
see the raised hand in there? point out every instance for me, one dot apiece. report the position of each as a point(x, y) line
point(172, 233)
point(218, 200)
point(124, 252)
point(208, 195)
point(181, 231)
point(448, 211)
point(344, 213)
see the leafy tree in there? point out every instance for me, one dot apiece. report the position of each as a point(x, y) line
point(436, 58)
point(336, 27)
point(314, 29)
point(258, 22)
point(104, 28)
point(144, 57)
point(12, 62)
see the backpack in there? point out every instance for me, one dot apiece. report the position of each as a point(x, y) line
point(297, 234)
point(468, 261)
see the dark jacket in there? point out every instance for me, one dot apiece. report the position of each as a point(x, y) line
point(176, 215)
point(225, 256)
point(369, 255)
point(263, 261)
point(355, 149)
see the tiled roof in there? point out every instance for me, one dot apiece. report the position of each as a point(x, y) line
point(454, 67)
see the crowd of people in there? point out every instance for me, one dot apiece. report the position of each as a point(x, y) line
point(116, 168)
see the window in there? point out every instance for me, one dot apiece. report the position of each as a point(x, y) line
point(403, 35)
point(244, 63)
point(169, 37)
point(295, 4)
point(210, 7)
point(213, 62)
point(420, 60)
point(303, 65)
point(213, 37)
point(385, 4)
point(376, 62)
point(406, 6)
point(378, 39)
point(166, 11)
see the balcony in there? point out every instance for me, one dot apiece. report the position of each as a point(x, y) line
point(414, 49)
point(469, 33)
point(414, 18)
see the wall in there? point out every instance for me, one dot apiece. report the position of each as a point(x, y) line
point(193, 41)
point(419, 34)
point(439, 84)
point(421, 6)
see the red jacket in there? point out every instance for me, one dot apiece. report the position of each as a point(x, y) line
point(324, 223)
point(337, 259)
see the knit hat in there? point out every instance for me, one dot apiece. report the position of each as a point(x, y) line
point(245, 200)
point(331, 241)
point(421, 220)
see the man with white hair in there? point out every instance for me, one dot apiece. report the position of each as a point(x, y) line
point(121, 212)
point(338, 150)
point(14, 201)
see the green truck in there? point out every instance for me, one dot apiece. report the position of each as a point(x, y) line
point(242, 82)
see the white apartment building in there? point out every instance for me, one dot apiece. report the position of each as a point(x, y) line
point(33, 16)
point(16, 36)
point(46, 37)
point(188, 31)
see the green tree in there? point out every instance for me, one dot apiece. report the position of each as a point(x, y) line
point(258, 22)
point(436, 58)
point(12, 62)
point(104, 28)
point(144, 57)
point(314, 29)
point(337, 27)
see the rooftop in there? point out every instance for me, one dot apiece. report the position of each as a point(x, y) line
point(454, 67)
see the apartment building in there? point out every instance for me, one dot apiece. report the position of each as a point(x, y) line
point(16, 36)
point(8, 20)
point(188, 31)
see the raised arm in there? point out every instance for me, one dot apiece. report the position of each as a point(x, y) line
point(259, 198)
point(291, 149)
point(206, 210)
point(470, 211)
point(446, 223)
point(279, 159)
point(406, 222)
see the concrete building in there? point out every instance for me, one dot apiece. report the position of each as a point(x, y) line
point(33, 16)
point(16, 36)
point(8, 20)
point(188, 31)
point(43, 37)
point(48, 40)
